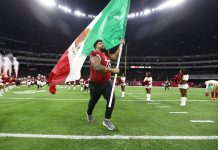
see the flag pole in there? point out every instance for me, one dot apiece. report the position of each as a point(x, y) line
point(126, 58)
point(115, 77)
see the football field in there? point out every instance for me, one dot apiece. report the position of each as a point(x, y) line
point(32, 119)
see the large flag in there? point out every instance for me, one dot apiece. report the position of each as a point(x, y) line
point(109, 26)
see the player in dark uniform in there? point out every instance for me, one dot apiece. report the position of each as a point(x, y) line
point(167, 84)
point(100, 74)
point(87, 85)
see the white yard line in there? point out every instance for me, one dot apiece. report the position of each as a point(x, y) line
point(163, 106)
point(86, 99)
point(167, 94)
point(107, 137)
point(175, 100)
point(144, 93)
point(154, 103)
point(178, 112)
point(202, 121)
point(65, 99)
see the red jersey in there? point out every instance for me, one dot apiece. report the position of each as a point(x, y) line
point(100, 77)
point(178, 78)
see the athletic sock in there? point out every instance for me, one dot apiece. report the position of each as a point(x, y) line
point(185, 99)
point(212, 94)
point(182, 101)
point(123, 94)
point(148, 97)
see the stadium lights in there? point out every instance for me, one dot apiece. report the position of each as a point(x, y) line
point(169, 4)
point(165, 5)
point(146, 12)
point(47, 3)
point(132, 15)
point(65, 8)
point(91, 16)
point(79, 13)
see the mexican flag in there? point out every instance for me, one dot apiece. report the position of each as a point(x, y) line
point(109, 26)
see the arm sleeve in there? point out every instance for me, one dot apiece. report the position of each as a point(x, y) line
point(95, 54)
point(185, 77)
point(207, 86)
point(151, 80)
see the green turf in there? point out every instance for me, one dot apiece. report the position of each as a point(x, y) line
point(51, 144)
point(64, 113)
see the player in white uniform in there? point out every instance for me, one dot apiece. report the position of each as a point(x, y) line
point(6, 82)
point(148, 85)
point(1, 86)
point(29, 81)
point(81, 84)
point(38, 81)
point(32, 81)
point(43, 81)
point(214, 92)
point(182, 79)
point(123, 84)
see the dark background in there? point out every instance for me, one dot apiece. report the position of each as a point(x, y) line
point(187, 30)
point(191, 28)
